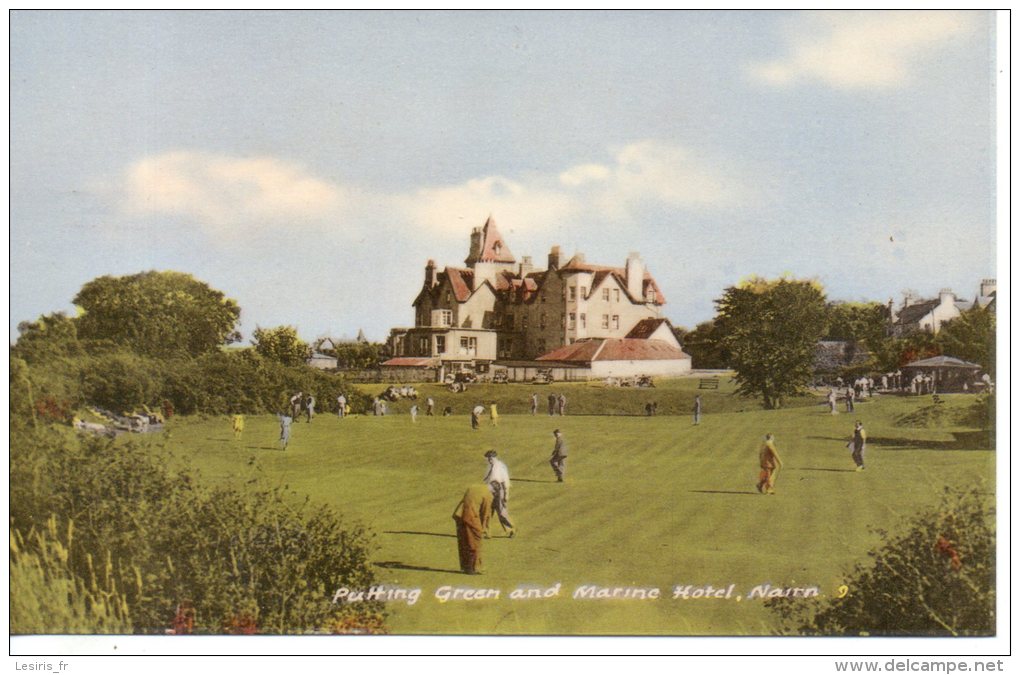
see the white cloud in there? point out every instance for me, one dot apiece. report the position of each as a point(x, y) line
point(641, 174)
point(228, 195)
point(858, 50)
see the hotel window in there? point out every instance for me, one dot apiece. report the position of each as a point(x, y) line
point(573, 292)
point(616, 322)
point(616, 295)
point(446, 317)
point(605, 294)
point(584, 292)
point(572, 322)
point(584, 321)
point(440, 344)
point(605, 321)
point(423, 347)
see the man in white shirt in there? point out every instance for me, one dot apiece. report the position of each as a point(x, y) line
point(476, 413)
point(499, 477)
point(341, 402)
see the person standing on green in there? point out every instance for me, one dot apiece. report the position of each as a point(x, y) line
point(768, 460)
point(558, 461)
point(472, 517)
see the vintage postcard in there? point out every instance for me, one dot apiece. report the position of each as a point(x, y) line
point(646, 324)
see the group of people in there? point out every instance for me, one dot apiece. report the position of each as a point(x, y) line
point(481, 501)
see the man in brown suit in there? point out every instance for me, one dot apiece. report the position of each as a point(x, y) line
point(472, 517)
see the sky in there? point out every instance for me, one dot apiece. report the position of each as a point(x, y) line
point(309, 164)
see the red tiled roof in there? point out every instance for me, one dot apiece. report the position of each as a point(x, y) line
point(460, 281)
point(644, 328)
point(494, 249)
point(632, 349)
point(409, 362)
point(583, 350)
point(615, 349)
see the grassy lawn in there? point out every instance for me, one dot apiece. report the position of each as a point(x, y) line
point(648, 502)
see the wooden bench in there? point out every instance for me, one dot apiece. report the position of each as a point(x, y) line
point(708, 383)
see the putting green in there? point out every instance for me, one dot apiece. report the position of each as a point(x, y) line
point(649, 503)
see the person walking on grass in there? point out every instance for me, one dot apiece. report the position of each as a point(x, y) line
point(414, 413)
point(856, 445)
point(430, 406)
point(499, 476)
point(476, 414)
point(832, 402)
point(697, 409)
point(768, 460)
point(341, 402)
point(552, 404)
point(850, 399)
point(534, 404)
point(285, 422)
point(237, 424)
point(472, 516)
point(295, 404)
point(493, 414)
point(310, 408)
point(558, 461)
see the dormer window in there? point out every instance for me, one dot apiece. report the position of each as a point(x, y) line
point(497, 247)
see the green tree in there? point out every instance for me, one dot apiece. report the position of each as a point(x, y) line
point(770, 329)
point(157, 313)
point(971, 337)
point(358, 355)
point(705, 346)
point(865, 323)
point(51, 336)
point(281, 344)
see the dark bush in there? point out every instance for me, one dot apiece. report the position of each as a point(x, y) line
point(252, 560)
point(936, 579)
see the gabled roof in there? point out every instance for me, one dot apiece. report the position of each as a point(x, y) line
point(912, 314)
point(620, 274)
point(493, 247)
point(460, 282)
point(615, 349)
point(644, 328)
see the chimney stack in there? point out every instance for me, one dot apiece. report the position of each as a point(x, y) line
point(635, 277)
point(476, 247)
point(430, 274)
point(987, 287)
point(946, 296)
point(554, 258)
point(526, 266)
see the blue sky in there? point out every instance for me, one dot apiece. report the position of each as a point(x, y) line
point(308, 164)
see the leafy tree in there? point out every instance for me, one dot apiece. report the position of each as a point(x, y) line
point(358, 355)
point(865, 323)
point(971, 337)
point(51, 336)
point(937, 579)
point(157, 313)
point(281, 344)
point(770, 329)
point(705, 346)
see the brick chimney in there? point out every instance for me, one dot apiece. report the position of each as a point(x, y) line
point(554, 258)
point(476, 247)
point(635, 277)
point(430, 273)
point(987, 287)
